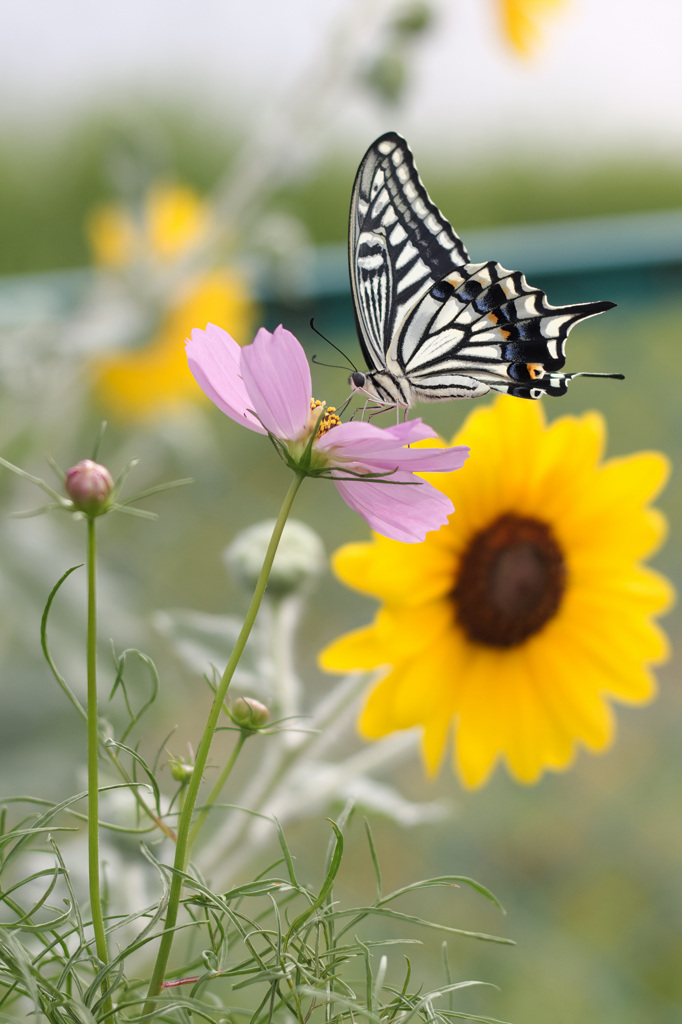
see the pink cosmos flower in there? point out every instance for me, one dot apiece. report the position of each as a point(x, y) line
point(266, 387)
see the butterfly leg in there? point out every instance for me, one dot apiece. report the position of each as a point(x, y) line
point(376, 409)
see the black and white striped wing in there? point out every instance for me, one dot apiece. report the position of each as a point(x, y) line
point(400, 245)
point(483, 325)
point(432, 325)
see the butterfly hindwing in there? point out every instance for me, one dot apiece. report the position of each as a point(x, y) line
point(483, 324)
point(431, 324)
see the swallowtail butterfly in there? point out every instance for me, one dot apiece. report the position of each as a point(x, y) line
point(432, 325)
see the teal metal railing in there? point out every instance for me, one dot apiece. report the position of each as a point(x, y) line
point(625, 258)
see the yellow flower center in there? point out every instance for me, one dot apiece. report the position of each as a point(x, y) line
point(511, 581)
point(329, 419)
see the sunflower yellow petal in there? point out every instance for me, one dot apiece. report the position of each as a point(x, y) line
point(575, 701)
point(618, 650)
point(563, 462)
point(616, 592)
point(434, 742)
point(612, 540)
point(422, 631)
point(397, 633)
point(385, 569)
point(635, 479)
point(501, 714)
point(353, 652)
point(426, 685)
point(418, 690)
point(559, 465)
point(378, 717)
point(529, 738)
point(494, 475)
point(624, 681)
point(574, 705)
point(611, 513)
point(618, 624)
point(483, 703)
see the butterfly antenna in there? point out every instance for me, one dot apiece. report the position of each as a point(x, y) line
point(584, 373)
point(336, 347)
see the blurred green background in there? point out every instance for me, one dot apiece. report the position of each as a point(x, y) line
point(586, 863)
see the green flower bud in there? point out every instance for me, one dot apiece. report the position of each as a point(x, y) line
point(89, 485)
point(300, 557)
point(180, 770)
point(249, 713)
point(414, 20)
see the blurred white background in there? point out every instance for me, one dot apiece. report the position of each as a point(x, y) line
point(608, 75)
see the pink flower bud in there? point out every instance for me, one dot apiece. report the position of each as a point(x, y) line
point(89, 485)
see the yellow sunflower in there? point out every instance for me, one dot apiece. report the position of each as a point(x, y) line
point(140, 383)
point(520, 21)
point(514, 625)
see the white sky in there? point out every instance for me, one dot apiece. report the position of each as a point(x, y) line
point(609, 75)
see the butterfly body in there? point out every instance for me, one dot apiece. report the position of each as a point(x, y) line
point(432, 325)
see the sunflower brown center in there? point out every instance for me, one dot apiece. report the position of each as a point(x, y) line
point(510, 583)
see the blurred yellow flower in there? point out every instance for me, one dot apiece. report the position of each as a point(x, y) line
point(173, 220)
point(521, 21)
point(153, 379)
point(514, 625)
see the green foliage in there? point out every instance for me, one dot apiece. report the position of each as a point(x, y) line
point(48, 187)
point(491, 195)
point(266, 950)
point(388, 74)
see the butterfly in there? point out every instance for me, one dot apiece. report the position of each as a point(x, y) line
point(432, 325)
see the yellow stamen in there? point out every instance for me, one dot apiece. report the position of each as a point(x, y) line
point(329, 419)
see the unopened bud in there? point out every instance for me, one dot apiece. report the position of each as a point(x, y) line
point(249, 713)
point(180, 770)
point(89, 485)
point(300, 557)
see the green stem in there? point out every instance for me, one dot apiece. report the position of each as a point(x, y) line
point(93, 762)
point(215, 792)
point(183, 845)
point(104, 745)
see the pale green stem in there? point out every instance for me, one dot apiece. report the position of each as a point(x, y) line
point(277, 775)
point(93, 762)
point(183, 845)
point(215, 792)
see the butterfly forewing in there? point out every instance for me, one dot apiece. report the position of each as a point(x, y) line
point(431, 324)
point(400, 244)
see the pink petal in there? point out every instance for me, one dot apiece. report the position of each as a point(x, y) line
point(411, 431)
point(214, 358)
point(374, 448)
point(277, 377)
point(424, 460)
point(405, 510)
point(360, 437)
